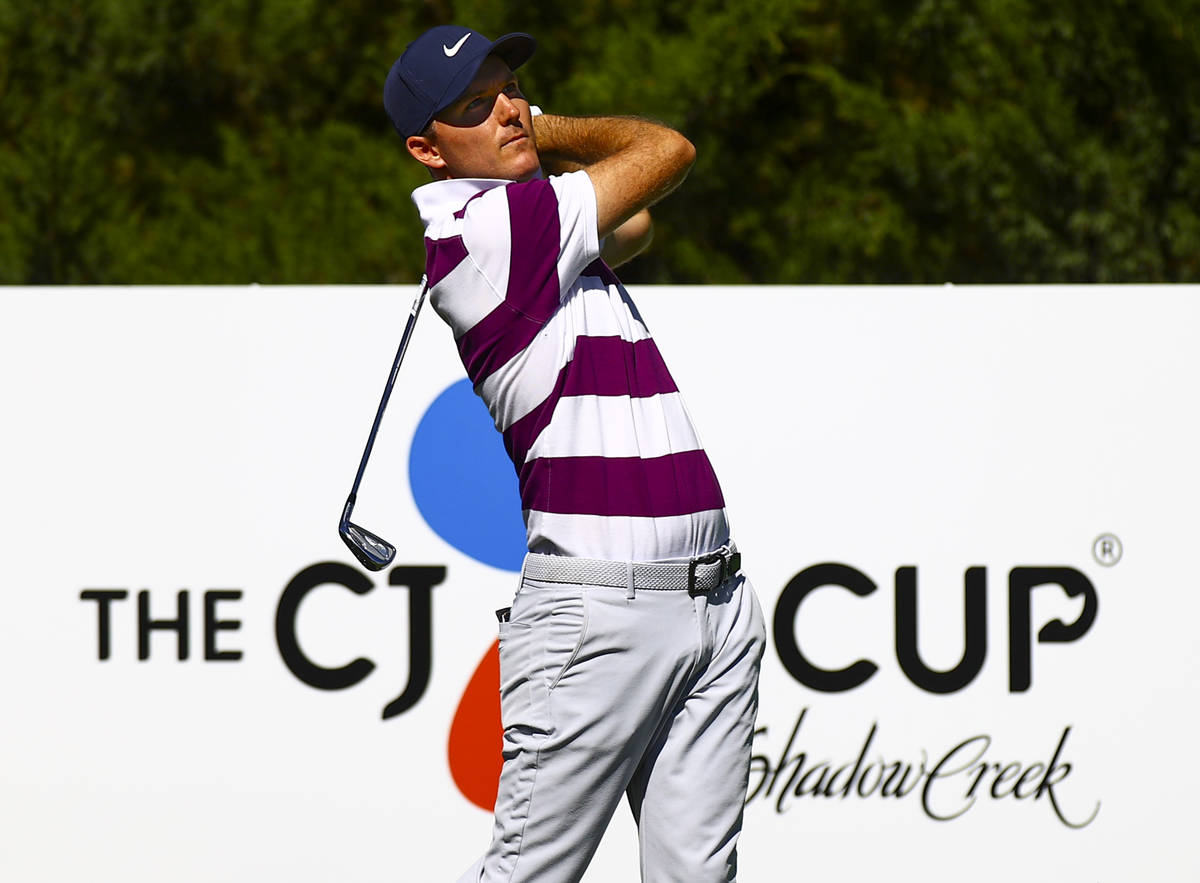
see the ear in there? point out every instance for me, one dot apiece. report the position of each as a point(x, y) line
point(425, 151)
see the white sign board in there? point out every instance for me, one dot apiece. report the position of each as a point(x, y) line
point(970, 515)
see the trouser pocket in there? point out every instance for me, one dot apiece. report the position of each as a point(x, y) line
point(517, 701)
point(538, 643)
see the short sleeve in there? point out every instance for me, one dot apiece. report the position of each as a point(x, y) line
point(577, 220)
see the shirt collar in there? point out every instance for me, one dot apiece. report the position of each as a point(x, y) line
point(440, 198)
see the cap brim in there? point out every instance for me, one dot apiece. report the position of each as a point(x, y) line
point(514, 49)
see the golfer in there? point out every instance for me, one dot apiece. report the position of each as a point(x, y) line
point(629, 658)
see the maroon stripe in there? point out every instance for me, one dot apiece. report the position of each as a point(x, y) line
point(442, 256)
point(533, 285)
point(495, 339)
point(677, 484)
point(611, 366)
point(601, 366)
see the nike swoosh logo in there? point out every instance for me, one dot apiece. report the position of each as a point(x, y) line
point(451, 52)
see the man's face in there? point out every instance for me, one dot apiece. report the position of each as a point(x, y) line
point(486, 133)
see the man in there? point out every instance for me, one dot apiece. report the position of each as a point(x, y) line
point(629, 658)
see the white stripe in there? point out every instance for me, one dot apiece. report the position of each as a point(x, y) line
point(488, 239)
point(461, 300)
point(578, 236)
point(617, 426)
point(590, 310)
point(625, 538)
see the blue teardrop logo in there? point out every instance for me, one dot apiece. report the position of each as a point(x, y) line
point(462, 481)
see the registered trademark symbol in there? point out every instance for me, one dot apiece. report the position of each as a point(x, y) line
point(1107, 550)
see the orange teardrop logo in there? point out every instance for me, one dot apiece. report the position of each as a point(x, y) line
point(476, 734)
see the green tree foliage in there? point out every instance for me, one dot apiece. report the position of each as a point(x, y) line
point(230, 141)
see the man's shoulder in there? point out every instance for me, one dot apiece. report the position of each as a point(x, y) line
point(453, 199)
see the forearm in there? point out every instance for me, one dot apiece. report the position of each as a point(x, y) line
point(632, 163)
point(582, 141)
point(629, 240)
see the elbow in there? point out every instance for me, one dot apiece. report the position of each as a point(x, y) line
point(683, 155)
point(686, 153)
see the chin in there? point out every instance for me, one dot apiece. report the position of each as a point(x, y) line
point(531, 174)
point(524, 166)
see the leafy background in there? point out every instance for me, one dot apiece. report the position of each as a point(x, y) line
point(845, 141)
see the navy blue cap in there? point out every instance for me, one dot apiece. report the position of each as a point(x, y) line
point(436, 68)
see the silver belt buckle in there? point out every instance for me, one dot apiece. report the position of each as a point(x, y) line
point(711, 558)
point(731, 563)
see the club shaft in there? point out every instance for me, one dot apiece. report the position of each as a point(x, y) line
point(387, 393)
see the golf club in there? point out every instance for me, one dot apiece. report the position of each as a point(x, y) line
point(372, 551)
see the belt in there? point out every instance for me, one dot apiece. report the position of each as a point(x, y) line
point(697, 576)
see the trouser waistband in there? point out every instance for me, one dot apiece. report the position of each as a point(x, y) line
point(697, 576)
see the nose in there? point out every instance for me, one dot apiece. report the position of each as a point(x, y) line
point(506, 110)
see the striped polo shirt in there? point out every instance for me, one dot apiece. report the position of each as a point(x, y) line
point(609, 464)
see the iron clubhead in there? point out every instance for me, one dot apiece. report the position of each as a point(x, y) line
point(373, 552)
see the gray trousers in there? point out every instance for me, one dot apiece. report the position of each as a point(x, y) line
point(604, 692)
